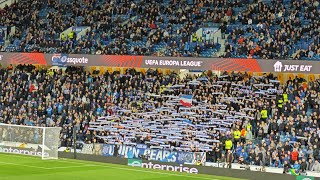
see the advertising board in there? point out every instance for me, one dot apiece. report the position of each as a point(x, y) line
point(216, 64)
point(165, 167)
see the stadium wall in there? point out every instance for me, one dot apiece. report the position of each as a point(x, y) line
point(216, 64)
point(243, 174)
point(95, 158)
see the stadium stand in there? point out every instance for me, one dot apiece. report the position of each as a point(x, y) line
point(276, 30)
point(262, 120)
point(126, 27)
point(269, 29)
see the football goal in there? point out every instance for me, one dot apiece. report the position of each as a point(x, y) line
point(30, 140)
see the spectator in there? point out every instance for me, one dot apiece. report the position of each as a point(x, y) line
point(294, 156)
point(257, 161)
point(277, 163)
point(286, 167)
point(303, 166)
point(296, 166)
point(74, 98)
point(266, 31)
point(229, 159)
point(316, 166)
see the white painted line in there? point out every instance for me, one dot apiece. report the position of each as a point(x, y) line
point(141, 170)
point(66, 167)
point(20, 155)
point(72, 161)
point(24, 165)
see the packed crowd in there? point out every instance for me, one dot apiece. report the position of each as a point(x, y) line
point(277, 30)
point(117, 27)
point(260, 120)
point(269, 29)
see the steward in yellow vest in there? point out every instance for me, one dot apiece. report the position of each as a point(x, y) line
point(264, 114)
point(285, 97)
point(228, 144)
point(280, 103)
point(70, 35)
point(63, 37)
point(194, 37)
point(249, 127)
point(236, 135)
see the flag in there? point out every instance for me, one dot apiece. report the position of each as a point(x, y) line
point(293, 172)
point(186, 100)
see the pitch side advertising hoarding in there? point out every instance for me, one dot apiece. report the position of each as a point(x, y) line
point(218, 64)
point(22, 151)
point(209, 170)
point(165, 167)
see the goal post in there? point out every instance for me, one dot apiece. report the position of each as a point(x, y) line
point(50, 142)
point(30, 140)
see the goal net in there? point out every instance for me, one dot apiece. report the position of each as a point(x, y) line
point(30, 140)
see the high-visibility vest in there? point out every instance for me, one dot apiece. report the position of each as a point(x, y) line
point(249, 127)
point(228, 144)
point(285, 97)
point(70, 35)
point(280, 101)
point(194, 38)
point(63, 37)
point(236, 134)
point(162, 88)
point(264, 114)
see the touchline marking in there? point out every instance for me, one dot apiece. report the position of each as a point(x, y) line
point(24, 165)
point(139, 170)
point(66, 167)
point(97, 165)
point(21, 156)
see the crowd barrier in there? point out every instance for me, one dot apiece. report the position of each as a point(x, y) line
point(242, 174)
point(217, 64)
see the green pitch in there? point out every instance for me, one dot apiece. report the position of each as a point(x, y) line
point(18, 167)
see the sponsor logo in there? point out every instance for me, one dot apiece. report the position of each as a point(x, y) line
point(64, 59)
point(152, 62)
point(1, 56)
point(304, 178)
point(135, 162)
point(165, 167)
point(30, 152)
point(279, 67)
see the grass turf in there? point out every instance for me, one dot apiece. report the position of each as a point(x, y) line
point(19, 167)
